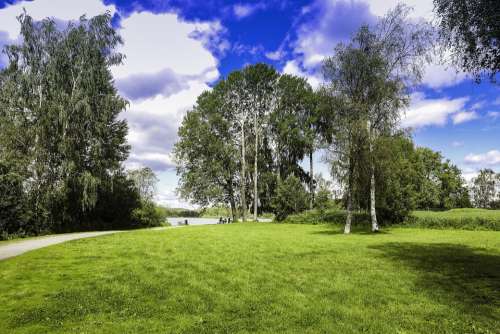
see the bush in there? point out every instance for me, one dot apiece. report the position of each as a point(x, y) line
point(147, 215)
point(291, 197)
point(329, 216)
point(466, 219)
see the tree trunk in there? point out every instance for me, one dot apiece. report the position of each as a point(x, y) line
point(347, 228)
point(311, 181)
point(255, 166)
point(243, 175)
point(373, 211)
point(234, 215)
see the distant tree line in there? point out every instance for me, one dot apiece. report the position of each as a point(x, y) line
point(61, 142)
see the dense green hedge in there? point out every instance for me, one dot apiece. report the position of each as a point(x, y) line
point(466, 219)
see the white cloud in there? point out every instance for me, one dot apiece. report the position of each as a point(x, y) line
point(424, 112)
point(464, 116)
point(154, 42)
point(489, 158)
point(292, 67)
point(65, 10)
point(493, 114)
point(421, 8)
point(276, 55)
point(244, 10)
point(440, 76)
point(457, 143)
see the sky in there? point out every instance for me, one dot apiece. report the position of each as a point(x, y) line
point(176, 49)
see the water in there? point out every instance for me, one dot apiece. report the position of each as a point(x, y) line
point(176, 221)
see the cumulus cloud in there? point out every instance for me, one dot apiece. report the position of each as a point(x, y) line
point(424, 112)
point(440, 76)
point(327, 23)
point(169, 63)
point(140, 86)
point(490, 158)
point(62, 10)
point(464, 116)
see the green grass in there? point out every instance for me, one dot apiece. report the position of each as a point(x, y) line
point(257, 278)
point(469, 219)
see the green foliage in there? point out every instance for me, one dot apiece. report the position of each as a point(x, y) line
point(257, 278)
point(291, 197)
point(471, 29)
point(467, 219)
point(147, 215)
point(13, 214)
point(486, 189)
point(334, 216)
point(176, 212)
point(59, 125)
point(215, 211)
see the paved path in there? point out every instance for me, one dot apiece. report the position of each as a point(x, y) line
point(15, 248)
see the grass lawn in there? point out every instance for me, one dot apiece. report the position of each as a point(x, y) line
point(257, 278)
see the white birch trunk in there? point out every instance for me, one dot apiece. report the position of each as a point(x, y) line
point(347, 227)
point(243, 175)
point(373, 211)
point(255, 185)
point(311, 181)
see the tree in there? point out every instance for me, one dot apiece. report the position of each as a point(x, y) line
point(471, 30)
point(260, 82)
point(291, 197)
point(484, 188)
point(207, 159)
point(60, 110)
point(145, 181)
point(371, 75)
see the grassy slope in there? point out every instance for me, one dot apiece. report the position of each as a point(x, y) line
point(266, 278)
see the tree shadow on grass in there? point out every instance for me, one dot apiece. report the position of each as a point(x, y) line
point(468, 277)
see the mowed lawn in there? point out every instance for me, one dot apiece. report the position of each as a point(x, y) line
point(257, 278)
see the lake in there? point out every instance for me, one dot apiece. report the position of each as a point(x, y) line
point(176, 221)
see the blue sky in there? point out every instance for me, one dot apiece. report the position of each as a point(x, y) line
point(177, 49)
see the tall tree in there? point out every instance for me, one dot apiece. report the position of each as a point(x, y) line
point(206, 155)
point(58, 91)
point(471, 30)
point(260, 86)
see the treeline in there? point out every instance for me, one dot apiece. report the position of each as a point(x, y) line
point(244, 141)
point(62, 143)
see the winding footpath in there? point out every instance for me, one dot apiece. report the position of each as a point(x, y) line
point(15, 248)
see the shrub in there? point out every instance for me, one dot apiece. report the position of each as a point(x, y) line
point(147, 215)
point(329, 216)
point(291, 197)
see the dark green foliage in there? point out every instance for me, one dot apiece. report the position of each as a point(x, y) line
point(13, 214)
point(147, 215)
point(59, 126)
point(291, 197)
point(471, 28)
